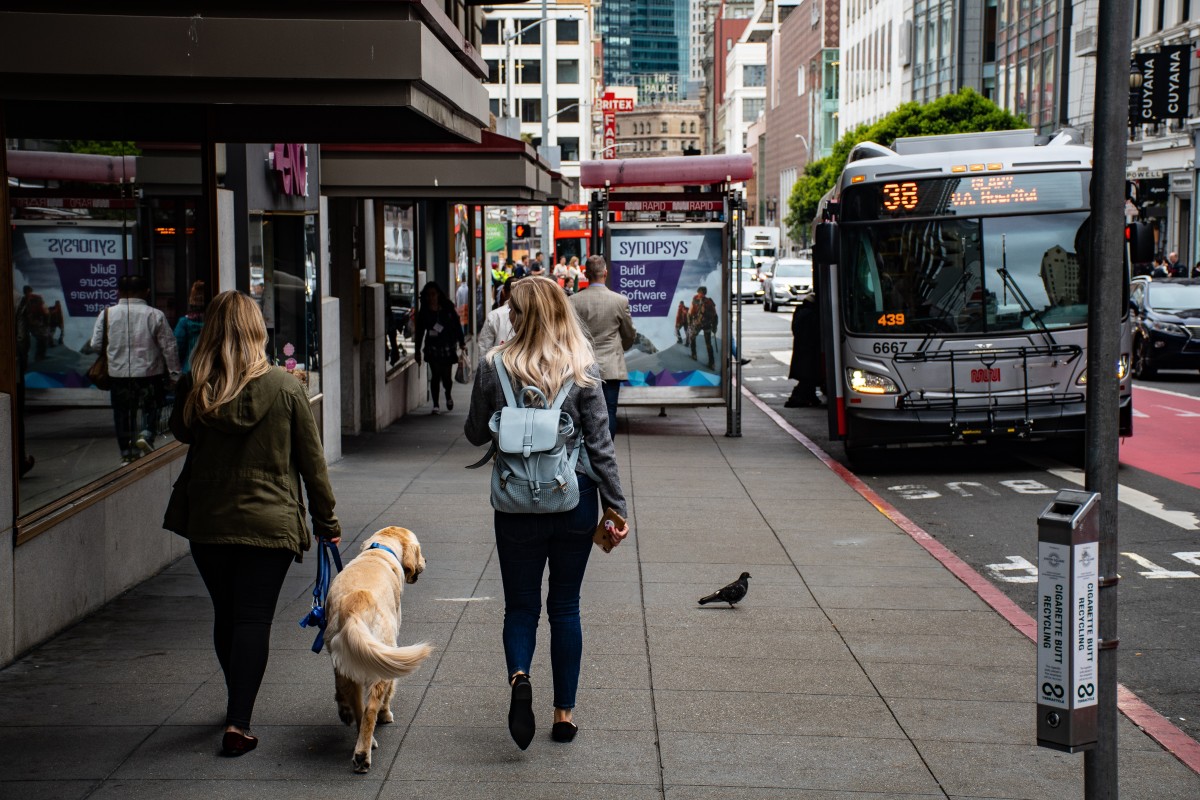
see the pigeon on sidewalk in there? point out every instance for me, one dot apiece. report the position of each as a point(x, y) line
point(731, 593)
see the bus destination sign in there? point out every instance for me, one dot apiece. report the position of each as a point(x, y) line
point(969, 195)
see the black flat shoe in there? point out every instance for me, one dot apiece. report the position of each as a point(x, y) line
point(564, 731)
point(234, 744)
point(520, 712)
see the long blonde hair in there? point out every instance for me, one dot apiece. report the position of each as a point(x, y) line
point(548, 344)
point(230, 353)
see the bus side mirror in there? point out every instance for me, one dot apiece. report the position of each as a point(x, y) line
point(825, 243)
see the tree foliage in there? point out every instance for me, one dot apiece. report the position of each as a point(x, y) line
point(964, 112)
point(102, 148)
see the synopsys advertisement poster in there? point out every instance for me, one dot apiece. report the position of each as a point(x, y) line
point(71, 272)
point(672, 277)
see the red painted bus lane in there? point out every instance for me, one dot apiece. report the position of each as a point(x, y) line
point(1166, 435)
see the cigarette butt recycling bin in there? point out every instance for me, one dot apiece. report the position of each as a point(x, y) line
point(1068, 634)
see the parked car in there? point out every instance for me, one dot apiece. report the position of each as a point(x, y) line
point(1166, 324)
point(748, 288)
point(786, 282)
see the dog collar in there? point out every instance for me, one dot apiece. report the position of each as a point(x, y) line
point(378, 546)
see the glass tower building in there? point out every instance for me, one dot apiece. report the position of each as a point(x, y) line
point(646, 44)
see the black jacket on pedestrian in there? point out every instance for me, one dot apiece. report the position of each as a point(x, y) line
point(438, 334)
point(806, 343)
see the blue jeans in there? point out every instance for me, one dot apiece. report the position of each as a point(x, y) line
point(612, 390)
point(524, 543)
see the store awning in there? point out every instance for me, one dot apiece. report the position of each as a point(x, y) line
point(364, 71)
point(498, 170)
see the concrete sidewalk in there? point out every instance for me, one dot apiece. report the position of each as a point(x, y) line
point(857, 667)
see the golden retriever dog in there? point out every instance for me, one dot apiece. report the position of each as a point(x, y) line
point(363, 609)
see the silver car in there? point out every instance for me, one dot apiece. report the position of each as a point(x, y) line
point(786, 282)
point(747, 288)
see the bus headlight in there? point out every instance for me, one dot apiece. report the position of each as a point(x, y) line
point(865, 382)
point(1122, 371)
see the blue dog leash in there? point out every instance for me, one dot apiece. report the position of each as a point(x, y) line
point(326, 552)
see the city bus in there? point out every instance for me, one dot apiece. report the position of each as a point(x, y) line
point(952, 277)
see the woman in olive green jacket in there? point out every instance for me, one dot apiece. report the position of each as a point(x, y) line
point(252, 440)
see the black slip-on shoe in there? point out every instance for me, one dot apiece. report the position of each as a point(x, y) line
point(520, 712)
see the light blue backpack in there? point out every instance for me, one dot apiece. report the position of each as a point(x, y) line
point(536, 451)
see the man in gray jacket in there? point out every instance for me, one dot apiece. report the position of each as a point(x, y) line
point(605, 316)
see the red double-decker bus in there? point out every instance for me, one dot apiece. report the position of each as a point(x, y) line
point(572, 233)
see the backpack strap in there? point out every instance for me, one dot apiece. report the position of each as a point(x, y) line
point(562, 393)
point(505, 381)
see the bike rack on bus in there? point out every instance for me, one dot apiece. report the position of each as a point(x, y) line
point(988, 357)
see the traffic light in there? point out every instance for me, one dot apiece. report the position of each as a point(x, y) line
point(520, 231)
point(1140, 238)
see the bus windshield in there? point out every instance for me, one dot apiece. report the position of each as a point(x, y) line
point(965, 275)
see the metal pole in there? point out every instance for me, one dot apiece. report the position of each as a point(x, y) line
point(547, 240)
point(508, 67)
point(1106, 271)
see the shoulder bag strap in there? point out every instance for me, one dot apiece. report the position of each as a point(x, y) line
point(104, 340)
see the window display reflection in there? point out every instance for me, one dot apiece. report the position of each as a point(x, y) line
point(284, 272)
point(101, 233)
point(399, 280)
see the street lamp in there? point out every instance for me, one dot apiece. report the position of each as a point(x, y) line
point(807, 149)
point(509, 36)
point(1136, 79)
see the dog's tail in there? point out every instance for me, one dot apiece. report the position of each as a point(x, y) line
point(358, 655)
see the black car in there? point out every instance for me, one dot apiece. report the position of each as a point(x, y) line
point(1166, 319)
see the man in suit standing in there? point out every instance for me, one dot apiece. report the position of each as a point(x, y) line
point(605, 316)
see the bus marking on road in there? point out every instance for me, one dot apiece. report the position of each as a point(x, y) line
point(958, 487)
point(1191, 558)
point(914, 491)
point(1133, 498)
point(1180, 412)
point(1028, 486)
point(1155, 571)
point(1016, 563)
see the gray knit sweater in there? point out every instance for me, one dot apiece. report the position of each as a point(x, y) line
point(587, 409)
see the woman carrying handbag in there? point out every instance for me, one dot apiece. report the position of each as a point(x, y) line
point(547, 351)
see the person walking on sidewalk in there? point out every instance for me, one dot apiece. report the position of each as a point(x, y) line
point(606, 318)
point(547, 348)
point(142, 356)
point(439, 337)
point(251, 437)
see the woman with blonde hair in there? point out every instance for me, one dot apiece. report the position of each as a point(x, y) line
point(547, 349)
point(251, 437)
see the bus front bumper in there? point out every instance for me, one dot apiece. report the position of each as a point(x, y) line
point(883, 426)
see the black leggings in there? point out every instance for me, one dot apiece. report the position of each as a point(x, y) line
point(244, 583)
point(441, 377)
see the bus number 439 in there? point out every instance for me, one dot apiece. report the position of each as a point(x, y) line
point(985, 375)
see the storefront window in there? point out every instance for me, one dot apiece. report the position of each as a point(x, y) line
point(284, 276)
point(399, 280)
point(87, 218)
